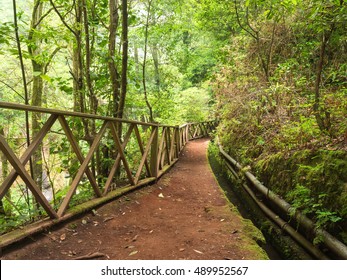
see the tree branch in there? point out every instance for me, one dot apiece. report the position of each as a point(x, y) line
point(62, 18)
point(51, 58)
point(10, 87)
point(43, 17)
point(250, 26)
point(240, 24)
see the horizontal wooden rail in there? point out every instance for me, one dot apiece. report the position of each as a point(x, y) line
point(140, 153)
point(28, 108)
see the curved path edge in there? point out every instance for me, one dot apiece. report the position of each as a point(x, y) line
point(185, 215)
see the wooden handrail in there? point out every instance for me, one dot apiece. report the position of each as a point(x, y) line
point(157, 152)
point(29, 108)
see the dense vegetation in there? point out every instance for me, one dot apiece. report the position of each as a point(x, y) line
point(282, 100)
point(137, 60)
point(275, 70)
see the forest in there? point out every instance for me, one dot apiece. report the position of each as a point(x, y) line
point(272, 72)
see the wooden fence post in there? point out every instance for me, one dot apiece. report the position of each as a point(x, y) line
point(178, 141)
point(154, 152)
point(187, 133)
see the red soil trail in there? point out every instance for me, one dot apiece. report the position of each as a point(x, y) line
point(184, 216)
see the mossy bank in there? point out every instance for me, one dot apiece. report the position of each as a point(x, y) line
point(277, 244)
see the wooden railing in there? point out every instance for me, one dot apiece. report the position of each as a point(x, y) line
point(157, 147)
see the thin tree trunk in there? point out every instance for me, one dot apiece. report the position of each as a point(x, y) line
point(114, 78)
point(26, 94)
point(114, 75)
point(93, 102)
point(144, 64)
point(155, 56)
point(37, 86)
point(124, 77)
point(77, 70)
point(125, 45)
point(323, 122)
point(4, 169)
point(39, 67)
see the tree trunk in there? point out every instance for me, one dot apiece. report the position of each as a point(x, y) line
point(322, 121)
point(124, 82)
point(77, 55)
point(4, 169)
point(114, 75)
point(124, 58)
point(78, 84)
point(144, 64)
point(155, 56)
point(36, 100)
point(93, 101)
point(34, 49)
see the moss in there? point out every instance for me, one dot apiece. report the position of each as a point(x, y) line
point(252, 238)
point(253, 232)
point(272, 172)
point(321, 173)
point(272, 238)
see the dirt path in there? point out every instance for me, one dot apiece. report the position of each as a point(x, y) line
point(184, 216)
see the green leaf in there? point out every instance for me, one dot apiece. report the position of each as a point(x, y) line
point(46, 78)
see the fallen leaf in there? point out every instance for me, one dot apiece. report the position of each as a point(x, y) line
point(94, 212)
point(234, 231)
point(182, 249)
point(199, 252)
point(80, 241)
point(54, 238)
point(108, 219)
point(222, 220)
point(133, 253)
point(135, 238)
point(161, 195)
point(129, 247)
point(63, 237)
point(84, 222)
point(151, 231)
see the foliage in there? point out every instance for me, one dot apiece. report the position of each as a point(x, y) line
point(303, 200)
point(279, 113)
point(273, 72)
point(313, 181)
